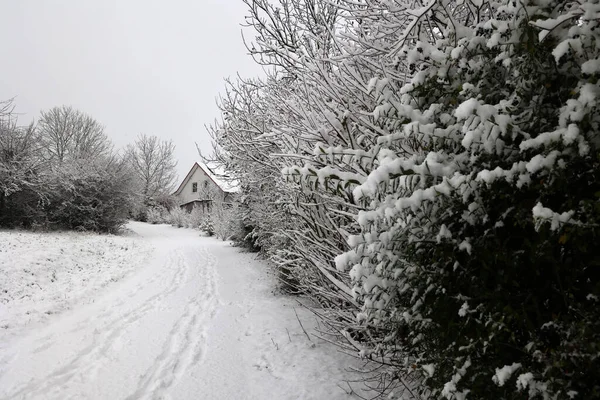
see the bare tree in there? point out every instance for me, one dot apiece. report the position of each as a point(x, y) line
point(70, 134)
point(154, 164)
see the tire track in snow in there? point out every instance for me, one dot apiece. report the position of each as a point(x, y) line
point(186, 342)
point(184, 345)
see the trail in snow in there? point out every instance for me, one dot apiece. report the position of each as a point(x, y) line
point(197, 322)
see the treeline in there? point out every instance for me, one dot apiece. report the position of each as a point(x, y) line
point(63, 172)
point(428, 172)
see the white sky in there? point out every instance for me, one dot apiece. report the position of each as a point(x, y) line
point(136, 66)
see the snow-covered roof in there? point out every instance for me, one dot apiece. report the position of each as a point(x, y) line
point(217, 174)
point(220, 177)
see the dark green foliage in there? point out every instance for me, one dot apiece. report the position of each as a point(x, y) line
point(532, 287)
point(444, 156)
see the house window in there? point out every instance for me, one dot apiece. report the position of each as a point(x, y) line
point(205, 184)
point(194, 187)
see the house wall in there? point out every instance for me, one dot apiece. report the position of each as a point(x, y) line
point(203, 205)
point(209, 192)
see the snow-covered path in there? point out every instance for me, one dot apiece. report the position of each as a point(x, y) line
point(198, 322)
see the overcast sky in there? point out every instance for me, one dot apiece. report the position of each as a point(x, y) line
point(137, 66)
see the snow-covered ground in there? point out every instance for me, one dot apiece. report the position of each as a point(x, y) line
point(166, 314)
point(42, 274)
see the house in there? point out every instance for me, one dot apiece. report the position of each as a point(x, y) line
point(203, 186)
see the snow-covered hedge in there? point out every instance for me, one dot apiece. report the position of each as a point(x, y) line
point(439, 189)
point(223, 220)
point(87, 187)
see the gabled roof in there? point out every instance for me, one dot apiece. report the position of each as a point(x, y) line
point(217, 175)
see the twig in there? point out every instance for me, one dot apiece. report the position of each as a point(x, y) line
point(288, 332)
point(301, 326)
point(349, 393)
point(350, 387)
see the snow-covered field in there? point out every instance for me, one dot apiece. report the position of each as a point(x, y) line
point(42, 274)
point(164, 314)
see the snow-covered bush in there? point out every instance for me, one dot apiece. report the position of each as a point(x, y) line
point(156, 215)
point(53, 178)
point(220, 220)
point(225, 220)
point(178, 217)
point(245, 150)
point(182, 218)
point(89, 195)
point(472, 252)
point(447, 159)
point(195, 218)
point(243, 230)
point(21, 170)
point(154, 210)
point(207, 225)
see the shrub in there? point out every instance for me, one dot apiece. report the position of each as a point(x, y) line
point(195, 218)
point(156, 215)
point(178, 217)
point(449, 165)
point(206, 225)
point(91, 195)
point(21, 172)
point(57, 177)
